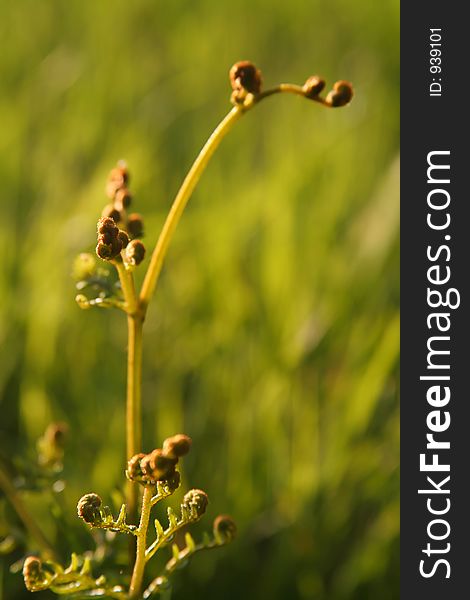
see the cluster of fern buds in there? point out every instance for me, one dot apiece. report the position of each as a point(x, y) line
point(116, 243)
point(160, 464)
point(157, 473)
point(111, 239)
point(340, 95)
point(246, 82)
point(118, 192)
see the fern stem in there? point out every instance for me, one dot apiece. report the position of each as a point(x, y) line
point(139, 566)
point(180, 201)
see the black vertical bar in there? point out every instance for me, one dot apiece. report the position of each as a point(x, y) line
point(435, 123)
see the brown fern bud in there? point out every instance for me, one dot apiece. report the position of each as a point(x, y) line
point(113, 213)
point(35, 579)
point(340, 95)
point(104, 251)
point(123, 238)
point(174, 481)
point(109, 251)
point(224, 528)
point(177, 445)
point(245, 76)
point(107, 226)
point(134, 470)
point(135, 225)
point(117, 179)
point(107, 238)
point(197, 499)
point(135, 253)
point(111, 240)
point(122, 199)
point(88, 508)
point(157, 466)
point(313, 86)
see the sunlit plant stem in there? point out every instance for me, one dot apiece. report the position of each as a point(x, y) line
point(139, 566)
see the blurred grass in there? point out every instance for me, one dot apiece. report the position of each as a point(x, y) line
point(273, 339)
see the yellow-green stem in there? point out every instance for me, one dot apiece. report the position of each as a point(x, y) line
point(180, 202)
point(290, 88)
point(17, 503)
point(134, 403)
point(134, 375)
point(139, 565)
point(127, 284)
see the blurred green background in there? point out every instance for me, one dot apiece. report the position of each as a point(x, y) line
point(273, 338)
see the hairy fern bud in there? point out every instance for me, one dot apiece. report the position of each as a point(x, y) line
point(35, 578)
point(112, 212)
point(177, 445)
point(197, 499)
point(107, 228)
point(134, 471)
point(122, 199)
point(117, 179)
point(135, 253)
point(88, 508)
point(123, 238)
point(245, 79)
point(244, 75)
point(224, 529)
point(313, 86)
point(135, 225)
point(173, 482)
point(340, 95)
point(157, 466)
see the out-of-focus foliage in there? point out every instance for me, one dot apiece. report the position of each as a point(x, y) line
point(273, 339)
